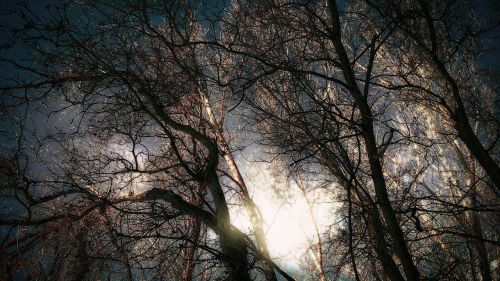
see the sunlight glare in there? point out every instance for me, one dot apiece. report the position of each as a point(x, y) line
point(288, 224)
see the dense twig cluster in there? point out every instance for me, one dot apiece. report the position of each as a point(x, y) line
point(120, 139)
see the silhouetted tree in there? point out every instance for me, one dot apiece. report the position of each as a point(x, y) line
point(120, 157)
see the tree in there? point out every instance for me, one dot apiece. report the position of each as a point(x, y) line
point(120, 160)
point(325, 98)
point(133, 84)
point(441, 44)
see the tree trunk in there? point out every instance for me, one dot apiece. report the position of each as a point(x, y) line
point(375, 225)
point(466, 134)
point(464, 128)
point(377, 175)
point(252, 209)
point(472, 221)
point(234, 246)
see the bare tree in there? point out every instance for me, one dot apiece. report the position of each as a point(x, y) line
point(120, 159)
point(139, 144)
point(439, 45)
point(323, 95)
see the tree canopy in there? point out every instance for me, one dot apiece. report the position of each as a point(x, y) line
point(135, 132)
